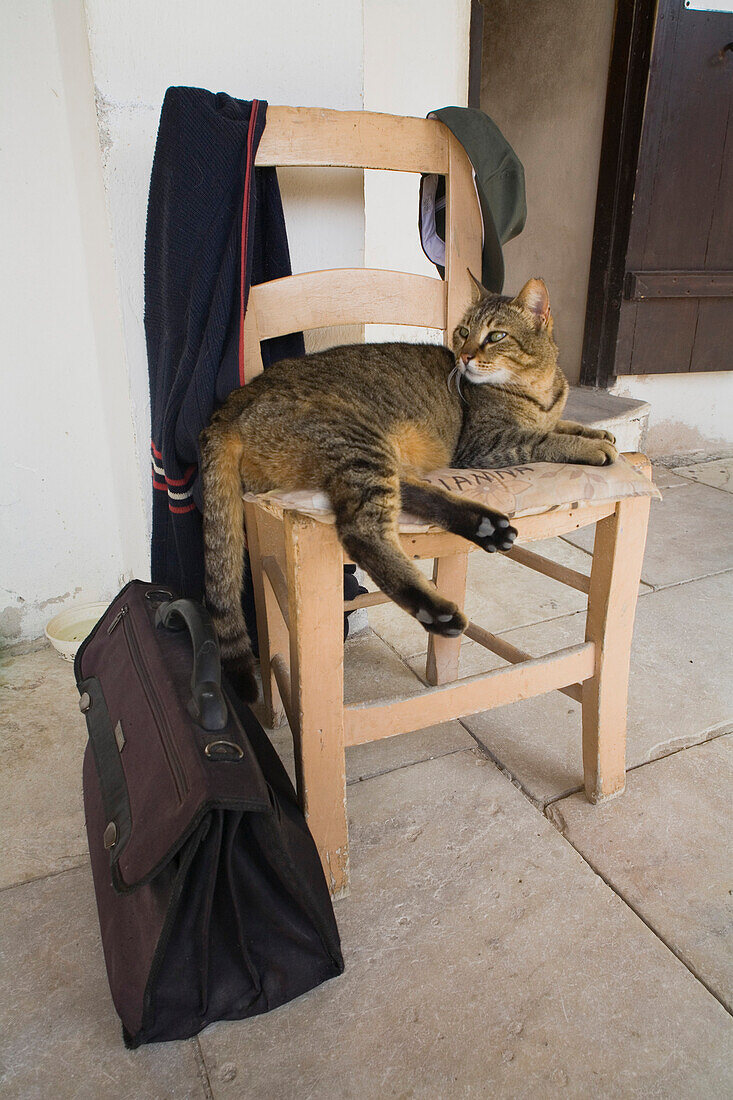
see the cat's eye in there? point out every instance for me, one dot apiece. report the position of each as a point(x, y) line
point(495, 337)
point(463, 332)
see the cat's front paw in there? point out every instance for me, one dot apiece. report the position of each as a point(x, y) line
point(494, 532)
point(599, 433)
point(598, 452)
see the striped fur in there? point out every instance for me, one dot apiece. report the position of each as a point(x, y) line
point(364, 423)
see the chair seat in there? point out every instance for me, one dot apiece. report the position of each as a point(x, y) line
point(528, 490)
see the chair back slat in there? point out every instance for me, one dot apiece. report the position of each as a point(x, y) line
point(306, 136)
point(464, 231)
point(347, 296)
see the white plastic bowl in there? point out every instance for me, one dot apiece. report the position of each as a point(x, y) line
point(67, 630)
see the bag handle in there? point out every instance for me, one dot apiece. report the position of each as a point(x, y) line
point(206, 705)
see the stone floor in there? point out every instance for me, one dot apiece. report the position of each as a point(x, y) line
point(503, 938)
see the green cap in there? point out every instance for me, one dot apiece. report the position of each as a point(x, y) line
point(500, 185)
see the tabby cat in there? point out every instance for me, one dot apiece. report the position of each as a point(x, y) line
point(363, 423)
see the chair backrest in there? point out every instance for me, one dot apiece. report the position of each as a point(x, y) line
point(306, 136)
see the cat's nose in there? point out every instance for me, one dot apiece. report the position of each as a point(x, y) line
point(466, 357)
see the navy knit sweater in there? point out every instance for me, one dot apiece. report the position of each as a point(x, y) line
point(215, 226)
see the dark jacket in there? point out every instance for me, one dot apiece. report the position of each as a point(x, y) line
point(215, 226)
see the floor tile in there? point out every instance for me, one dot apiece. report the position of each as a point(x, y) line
point(42, 739)
point(373, 671)
point(391, 753)
point(718, 474)
point(665, 848)
point(689, 536)
point(666, 478)
point(680, 690)
point(501, 594)
point(483, 958)
point(59, 1034)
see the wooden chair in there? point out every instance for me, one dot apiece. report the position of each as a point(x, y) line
point(297, 561)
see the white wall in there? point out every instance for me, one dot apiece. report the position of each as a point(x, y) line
point(345, 54)
point(280, 51)
point(406, 47)
point(689, 412)
point(72, 522)
point(75, 412)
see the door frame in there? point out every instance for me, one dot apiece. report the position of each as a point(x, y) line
point(628, 76)
point(475, 52)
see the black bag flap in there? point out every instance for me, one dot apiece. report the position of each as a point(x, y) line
point(158, 769)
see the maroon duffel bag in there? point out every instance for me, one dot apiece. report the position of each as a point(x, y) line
point(211, 897)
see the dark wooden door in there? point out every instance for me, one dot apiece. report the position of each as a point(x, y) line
point(661, 296)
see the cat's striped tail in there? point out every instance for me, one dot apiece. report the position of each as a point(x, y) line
point(224, 546)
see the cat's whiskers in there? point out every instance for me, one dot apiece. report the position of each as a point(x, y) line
point(455, 373)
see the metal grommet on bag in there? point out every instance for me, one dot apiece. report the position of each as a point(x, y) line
point(109, 837)
point(223, 750)
point(157, 596)
point(85, 702)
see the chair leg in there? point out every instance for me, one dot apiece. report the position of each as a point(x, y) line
point(272, 633)
point(614, 584)
point(316, 599)
point(449, 576)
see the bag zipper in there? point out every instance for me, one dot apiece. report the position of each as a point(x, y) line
point(120, 614)
point(78, 675)
point(170, 749)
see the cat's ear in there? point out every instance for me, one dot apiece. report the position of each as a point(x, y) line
point(534, 299)
point(479, 290)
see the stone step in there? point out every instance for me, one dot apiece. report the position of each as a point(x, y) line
point(624, 416)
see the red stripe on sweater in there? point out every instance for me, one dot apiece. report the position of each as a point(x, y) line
point(245, 220)
point(155, 450)
point(172, 480)
point(181, 480)
point(179, 511)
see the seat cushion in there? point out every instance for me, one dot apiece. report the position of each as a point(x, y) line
point(514, 490)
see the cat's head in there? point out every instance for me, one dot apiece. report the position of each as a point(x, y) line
point(507, 342)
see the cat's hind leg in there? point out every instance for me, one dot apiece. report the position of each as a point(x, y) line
point(467, 518)
point(367, 524)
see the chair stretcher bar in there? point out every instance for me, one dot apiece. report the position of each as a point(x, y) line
point(371, 722)
point(515, 656)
